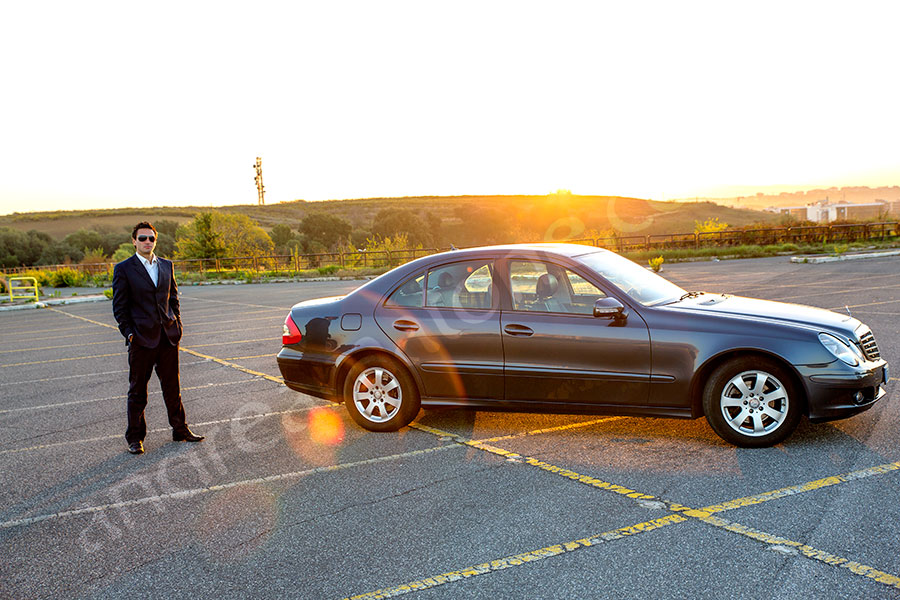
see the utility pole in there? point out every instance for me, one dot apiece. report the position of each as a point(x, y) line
point(259, 184)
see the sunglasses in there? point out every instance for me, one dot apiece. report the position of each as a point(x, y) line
point(146, 238)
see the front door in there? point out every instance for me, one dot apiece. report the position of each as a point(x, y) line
point(555, 350)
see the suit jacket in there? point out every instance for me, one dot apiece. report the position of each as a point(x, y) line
point(145, 310)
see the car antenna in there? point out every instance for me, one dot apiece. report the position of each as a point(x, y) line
point(452, 247)
point(847, 308)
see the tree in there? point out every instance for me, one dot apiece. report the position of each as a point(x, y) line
point(166, 226)
point(327, 230)
point(18, 248)
point(389, 222)
point(84, 239)
point(112, 240)
point(198, 239)
point(125, 250)
point(215, 235)
point(59, 253)
point(282, 236)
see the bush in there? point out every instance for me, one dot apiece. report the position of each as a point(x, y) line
point(66, 277)
point(100, 279)
point(328, 270)
point(108, 293)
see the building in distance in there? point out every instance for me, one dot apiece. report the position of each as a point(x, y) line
point(825, 211)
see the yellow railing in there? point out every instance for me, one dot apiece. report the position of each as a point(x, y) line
point(29, 283)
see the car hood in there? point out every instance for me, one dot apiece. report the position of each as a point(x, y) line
point(768, 310)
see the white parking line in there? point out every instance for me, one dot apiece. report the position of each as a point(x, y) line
point(160, 430)
point(118, 397)
point(182, 494)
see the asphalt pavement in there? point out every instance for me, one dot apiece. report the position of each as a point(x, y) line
point(288, 498)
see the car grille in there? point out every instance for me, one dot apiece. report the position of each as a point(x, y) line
point(869, 347)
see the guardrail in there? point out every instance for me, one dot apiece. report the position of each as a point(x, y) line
point(292, 263)
point(25, 283)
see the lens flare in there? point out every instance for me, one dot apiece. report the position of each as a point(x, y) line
point(325, 427)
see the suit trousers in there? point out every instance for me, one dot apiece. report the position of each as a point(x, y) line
point(141, 362)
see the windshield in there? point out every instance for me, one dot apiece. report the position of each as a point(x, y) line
point(642, 285)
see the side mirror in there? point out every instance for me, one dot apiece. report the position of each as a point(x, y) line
point(609, 308)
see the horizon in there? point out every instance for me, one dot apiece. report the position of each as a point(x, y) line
point(404, 99)
point(752, 194)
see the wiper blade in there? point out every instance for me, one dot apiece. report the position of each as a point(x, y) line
point(690, 295)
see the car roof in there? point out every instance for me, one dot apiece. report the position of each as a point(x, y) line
point(384, 282)
point(561, 249)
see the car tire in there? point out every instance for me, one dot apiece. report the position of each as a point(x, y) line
point(752, 402)
point(380, 394)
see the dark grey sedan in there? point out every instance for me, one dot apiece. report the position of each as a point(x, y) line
point(574, 329)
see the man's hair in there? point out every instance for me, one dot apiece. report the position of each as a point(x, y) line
point(143, 225)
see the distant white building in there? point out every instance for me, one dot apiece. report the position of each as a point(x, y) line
point(824, 211)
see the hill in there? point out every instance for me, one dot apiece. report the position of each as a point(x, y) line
point(463, 219)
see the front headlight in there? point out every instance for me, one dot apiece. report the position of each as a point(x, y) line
point(840, 349)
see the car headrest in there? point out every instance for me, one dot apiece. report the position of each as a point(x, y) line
point(546, 285)
point(445, 280)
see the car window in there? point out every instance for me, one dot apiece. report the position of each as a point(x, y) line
point(408, 294)
point(640, 284)
point(545, 287)
point(460, 285)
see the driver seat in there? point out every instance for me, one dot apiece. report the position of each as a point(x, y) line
point(547, 286)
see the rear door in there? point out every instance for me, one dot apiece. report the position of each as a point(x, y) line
point(555, 350)
point(447, 321)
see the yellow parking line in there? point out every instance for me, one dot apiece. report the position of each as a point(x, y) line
point(509, 455)
point(236, 303)
point(233, 365)
point(62, 312)
point(184, 349)
point(267, 339)
point(822, 556)
point(256, 356)
point(520, 559)
point(705, 514)
point(552, 429)
point(799, 489)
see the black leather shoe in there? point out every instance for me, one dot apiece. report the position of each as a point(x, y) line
point(136, 448)
point(186, 435)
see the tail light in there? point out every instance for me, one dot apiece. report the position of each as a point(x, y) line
point(290, 334)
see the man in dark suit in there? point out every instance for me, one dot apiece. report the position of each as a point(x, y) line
point(145, 304)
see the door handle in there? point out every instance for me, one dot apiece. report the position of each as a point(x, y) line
point(404, 325)
point(519, 330)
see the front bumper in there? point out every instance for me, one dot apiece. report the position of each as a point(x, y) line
point(844, 391)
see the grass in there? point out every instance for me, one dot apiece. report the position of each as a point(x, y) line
point(748, 251)
point(73, 278)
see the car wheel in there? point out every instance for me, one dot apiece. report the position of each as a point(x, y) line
point(380, 394)
point(752, 402)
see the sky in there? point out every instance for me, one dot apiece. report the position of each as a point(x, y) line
point(127, 104)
